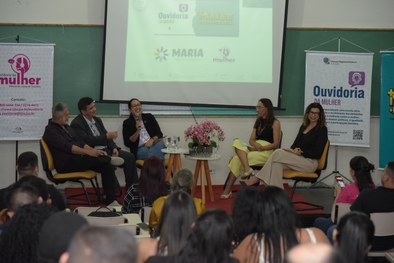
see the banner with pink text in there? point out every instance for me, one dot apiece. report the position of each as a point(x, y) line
point(341, 83)
point(26, 87)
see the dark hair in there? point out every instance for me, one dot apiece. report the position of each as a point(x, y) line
point(268, 121)
point(152, 183)
point(58, 109)
point(322, 116)
point(362, 171)
point(354, 236)
point(244, 216)
point(277, 223)
point(25, 191)
point(102, 244)
point(175, 223)
point(18, 243)
point(130, 101)
point(84, 102)
point(209, 240)
point(27, 162)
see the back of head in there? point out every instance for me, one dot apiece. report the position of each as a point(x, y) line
point(58, 109)
point(20, 239)
point(56, 234)
point(390, 172)
point(354, 236)
point(36, 182)
point(95, 244)
point(179, 213)
point(210, 238)
point(20, 196)
point(244, 215)
point(84, 102)
point(27, 164)
point(362, 171)
point(277, 222)
point(152, 182)
point(182, 180)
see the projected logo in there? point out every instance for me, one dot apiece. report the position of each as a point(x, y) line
point(356, 78)
point(161, 54)
point(224, 54)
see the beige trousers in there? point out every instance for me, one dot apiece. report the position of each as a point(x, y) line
point(280, 160)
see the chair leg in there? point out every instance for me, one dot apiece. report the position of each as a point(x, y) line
point(312, 206)
point(85, 193)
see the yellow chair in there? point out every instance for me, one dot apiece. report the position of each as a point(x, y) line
point(59, 178)
point(308, 177)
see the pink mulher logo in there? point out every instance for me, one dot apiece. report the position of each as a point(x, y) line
point(20, 64)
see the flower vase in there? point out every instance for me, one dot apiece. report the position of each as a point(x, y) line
point(201, 151)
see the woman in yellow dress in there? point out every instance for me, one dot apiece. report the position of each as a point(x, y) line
point(265, 138)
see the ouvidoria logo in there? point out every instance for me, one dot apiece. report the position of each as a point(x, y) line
point(20, 64)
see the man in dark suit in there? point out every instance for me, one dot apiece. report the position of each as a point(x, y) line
point(142, 133)
point(91, 130)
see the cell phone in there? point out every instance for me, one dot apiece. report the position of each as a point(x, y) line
point(340, 181)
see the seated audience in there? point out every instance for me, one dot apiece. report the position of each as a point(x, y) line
point(142, 133)
point(27, 164)
point(182, 180)
point(276, 231)
point(175, 224)
point(379, 200)
point(304, 153)
point(70, 154)
point(243, 213)
point(360, 171)
point(265, 138)
point(91, 130)
point(97, 244)
point(56, 234)
point(353, 237)
point(19, 241)
point(209, 241)
point(151, 185)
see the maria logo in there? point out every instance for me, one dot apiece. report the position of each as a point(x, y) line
point(20, 64)
point(161, 54)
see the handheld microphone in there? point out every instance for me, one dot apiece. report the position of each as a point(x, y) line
point(137, 117)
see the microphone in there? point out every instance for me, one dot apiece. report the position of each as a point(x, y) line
point(137, 117)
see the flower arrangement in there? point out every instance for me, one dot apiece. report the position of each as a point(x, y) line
point(202, 134)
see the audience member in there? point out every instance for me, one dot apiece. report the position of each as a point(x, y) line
point(142, 133)
point(277, 229)
point(209, 241)
point(151, 185)
point(70, 154)
point(91, 130)
point(27, 164)
point(243, 213)
point(56, 234)
point(97, 244)
point(19, 241)
point(379, 200)
point(360, 171)
point(353, 237)
point(304, 153)
point(175, 224)
point(182, 180)
point(313, 253)
point(265, 138)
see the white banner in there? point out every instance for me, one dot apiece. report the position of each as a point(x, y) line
point(26, 87)
point(341, 83)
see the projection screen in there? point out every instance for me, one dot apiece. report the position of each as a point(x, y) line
point(193, 52)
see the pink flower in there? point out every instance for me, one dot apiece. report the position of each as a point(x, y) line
point(203, 133)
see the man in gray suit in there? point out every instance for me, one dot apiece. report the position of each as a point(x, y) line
point(91, 130)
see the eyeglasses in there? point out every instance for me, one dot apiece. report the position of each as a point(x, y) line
point(314, 113)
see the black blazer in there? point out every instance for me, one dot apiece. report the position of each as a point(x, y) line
point(83, 131)
point(129, 128)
